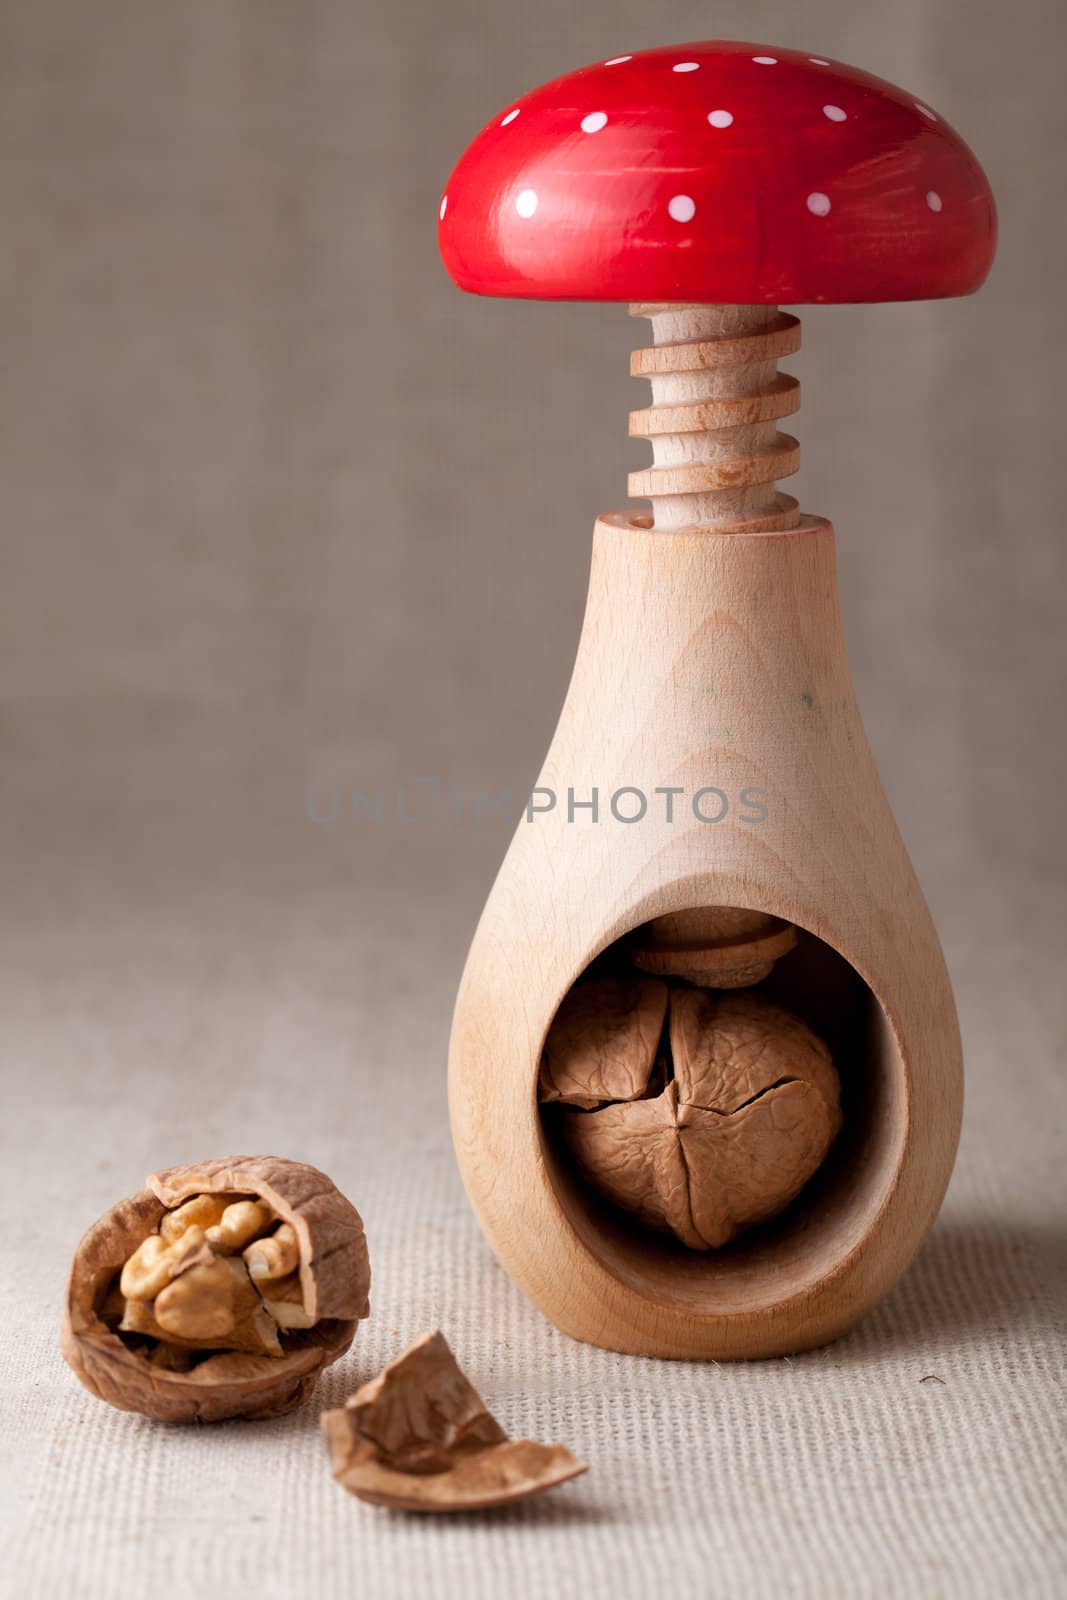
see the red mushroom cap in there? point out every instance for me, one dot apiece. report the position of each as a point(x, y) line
point(718, 172)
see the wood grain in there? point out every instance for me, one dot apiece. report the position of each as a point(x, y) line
point(711, 659)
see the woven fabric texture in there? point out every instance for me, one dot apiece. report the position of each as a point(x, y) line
point(923, 1455)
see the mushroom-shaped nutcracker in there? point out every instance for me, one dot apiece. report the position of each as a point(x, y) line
point(714, 803)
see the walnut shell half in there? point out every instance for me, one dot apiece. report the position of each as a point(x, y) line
point(189, 1379)
point(418, 1437)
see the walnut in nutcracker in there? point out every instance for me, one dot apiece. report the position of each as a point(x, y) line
point(698, 1113)
point(220, 1290)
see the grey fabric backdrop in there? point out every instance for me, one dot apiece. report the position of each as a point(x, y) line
point(282, 509)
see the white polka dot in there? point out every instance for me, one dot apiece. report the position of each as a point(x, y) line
point(682, 207)
point(720, 119)
point(526, 202)
point(926, 111)
point(686, 66)
point(444, 207)
point(510, 117)
point(835, 113)
point(817, 61)
point(765, 61)
point(933, 200)
point(617, 61)
point(594, 122)
point(818, 204)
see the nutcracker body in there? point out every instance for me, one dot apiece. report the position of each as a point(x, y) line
point(713, 662)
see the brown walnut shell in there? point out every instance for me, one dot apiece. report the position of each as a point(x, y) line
point(418, 1437)
point(603, 1042)
point(334, 1273)
point(724, 1130)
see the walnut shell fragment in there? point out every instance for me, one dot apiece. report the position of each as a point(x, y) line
point(221, 1290)
point(725, 1129)
point(419, 1438)
point(603, 1041)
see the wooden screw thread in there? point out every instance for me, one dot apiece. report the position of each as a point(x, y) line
point(716, 397)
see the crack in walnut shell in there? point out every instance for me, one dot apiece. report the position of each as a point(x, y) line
point(701, 1128)
point(220, 1290)
point(418, 1437)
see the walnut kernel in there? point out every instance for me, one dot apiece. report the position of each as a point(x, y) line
point(221, 1290)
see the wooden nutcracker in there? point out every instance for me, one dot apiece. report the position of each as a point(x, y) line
point(738, 904)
